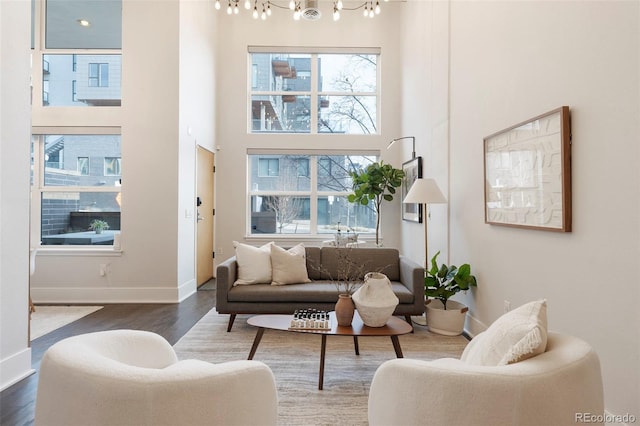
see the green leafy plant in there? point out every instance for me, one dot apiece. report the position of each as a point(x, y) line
point(443, 282)
point(98, 225)
point(373, 184)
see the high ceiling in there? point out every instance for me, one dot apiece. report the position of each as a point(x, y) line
point(63, 28)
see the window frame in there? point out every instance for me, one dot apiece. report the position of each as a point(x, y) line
point(314, 94)
point(313, 194)
point(39, 187)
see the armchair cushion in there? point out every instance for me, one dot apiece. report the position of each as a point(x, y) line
point(515, 336)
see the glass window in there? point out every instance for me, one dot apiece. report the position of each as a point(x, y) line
point(96, 80)
point(309, 196)
point(314, 93)
point(71, 188)
point(73, 24)
point(112, 166)
point(268, 167)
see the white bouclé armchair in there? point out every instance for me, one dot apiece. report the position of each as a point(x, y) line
point(130, 377)
point(552, 388)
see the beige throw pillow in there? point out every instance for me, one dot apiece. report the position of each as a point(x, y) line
point(254, 264)
point(289, 266)
point(515, 336)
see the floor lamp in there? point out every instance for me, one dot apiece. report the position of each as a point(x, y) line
point(425, 191)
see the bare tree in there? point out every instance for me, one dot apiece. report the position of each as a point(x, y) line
point(286, 207)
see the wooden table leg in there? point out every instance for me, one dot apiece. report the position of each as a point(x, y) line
point(323, 349)
point(355, 345)
point(256, 342)
point(396, 346)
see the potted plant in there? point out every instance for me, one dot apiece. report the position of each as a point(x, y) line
point(375, 183)
point(98, 226)
point(446, 316)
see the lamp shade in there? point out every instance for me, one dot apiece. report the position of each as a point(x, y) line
point(424, 191)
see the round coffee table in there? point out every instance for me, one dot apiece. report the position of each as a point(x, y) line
point(394, 328)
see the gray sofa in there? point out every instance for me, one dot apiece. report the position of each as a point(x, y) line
point(323, 265)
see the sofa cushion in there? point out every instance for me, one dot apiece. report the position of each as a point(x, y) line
point(315, 291)
point(360, 261)
point(515, 336)
point(313, 259)
point(254, 263)
point(288, 266)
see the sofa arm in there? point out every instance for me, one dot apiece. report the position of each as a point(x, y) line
point(225, 277)
point(412, 276)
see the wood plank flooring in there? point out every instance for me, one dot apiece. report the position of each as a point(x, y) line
point(172, 321)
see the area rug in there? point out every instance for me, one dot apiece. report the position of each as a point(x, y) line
point(49, 318)
point(294, 359)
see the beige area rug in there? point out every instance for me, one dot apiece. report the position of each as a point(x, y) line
point(294, 359)
point(49, 318)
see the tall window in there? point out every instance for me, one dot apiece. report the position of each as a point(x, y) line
point(308, 195)
point(314, 92)
point(98, 75)
point(69, 193)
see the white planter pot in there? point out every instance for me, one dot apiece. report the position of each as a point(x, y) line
point(449, 322)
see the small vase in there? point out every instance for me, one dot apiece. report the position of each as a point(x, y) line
point(344, 310)
point(99, 231)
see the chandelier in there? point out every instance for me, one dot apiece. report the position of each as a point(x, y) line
point(306, 9)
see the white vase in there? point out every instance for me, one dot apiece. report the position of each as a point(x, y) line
point(375, 300)
point(449, 322)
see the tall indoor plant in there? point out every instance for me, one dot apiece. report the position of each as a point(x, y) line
point(446, 316)
point(375, 183)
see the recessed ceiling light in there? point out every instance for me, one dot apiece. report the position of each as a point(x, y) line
point(84, 22)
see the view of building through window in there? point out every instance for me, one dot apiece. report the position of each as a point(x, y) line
point(314, 93)
point(314, 201)
point(78, 180)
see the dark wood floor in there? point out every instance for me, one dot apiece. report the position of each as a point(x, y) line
point(172, 321)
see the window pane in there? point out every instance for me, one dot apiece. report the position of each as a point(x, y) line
point(347, 73)
point(347, 114)
point(64, 31)
point(287, 177)
point(276, 72)
point(66, 217)
point(337, 211)
point(282, 214)
point(333, 171)
point(81, 80)
point(64, 155)
point(281, 114)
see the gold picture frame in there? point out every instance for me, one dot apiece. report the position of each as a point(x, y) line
point(527, 170)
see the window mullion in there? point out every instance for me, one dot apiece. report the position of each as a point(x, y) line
point(313, 196)
point(314, 94)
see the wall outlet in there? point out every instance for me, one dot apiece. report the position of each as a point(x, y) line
point(103, 269)
point(506, 306)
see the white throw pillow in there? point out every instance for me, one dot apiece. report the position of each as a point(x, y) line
point(254, 263)
point(515, 336)
point(289, 266)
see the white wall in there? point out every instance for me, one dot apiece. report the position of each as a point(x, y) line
point(510, 61)
point(15, 354)
point(167, 88)
point(238, 32)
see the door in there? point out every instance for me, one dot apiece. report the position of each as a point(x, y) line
point(204, 215)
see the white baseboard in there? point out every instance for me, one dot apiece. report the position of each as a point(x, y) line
point(15, 368)
point(473, 326)
point(113, 295)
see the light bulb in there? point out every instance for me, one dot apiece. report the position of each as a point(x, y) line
point(236, 9)
point(263, 15)
point(292, 5)
point(377, 10)
point(339, 5)
point(269, 10)
point(255, 12)
point(336, 14)
point(296, 15)
point(229, 9)
point(247, 4)
point(217, 4)
point(371, 13)
point(366, 11)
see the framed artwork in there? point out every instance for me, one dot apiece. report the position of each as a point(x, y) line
point(527, 172)
point(412, 170)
